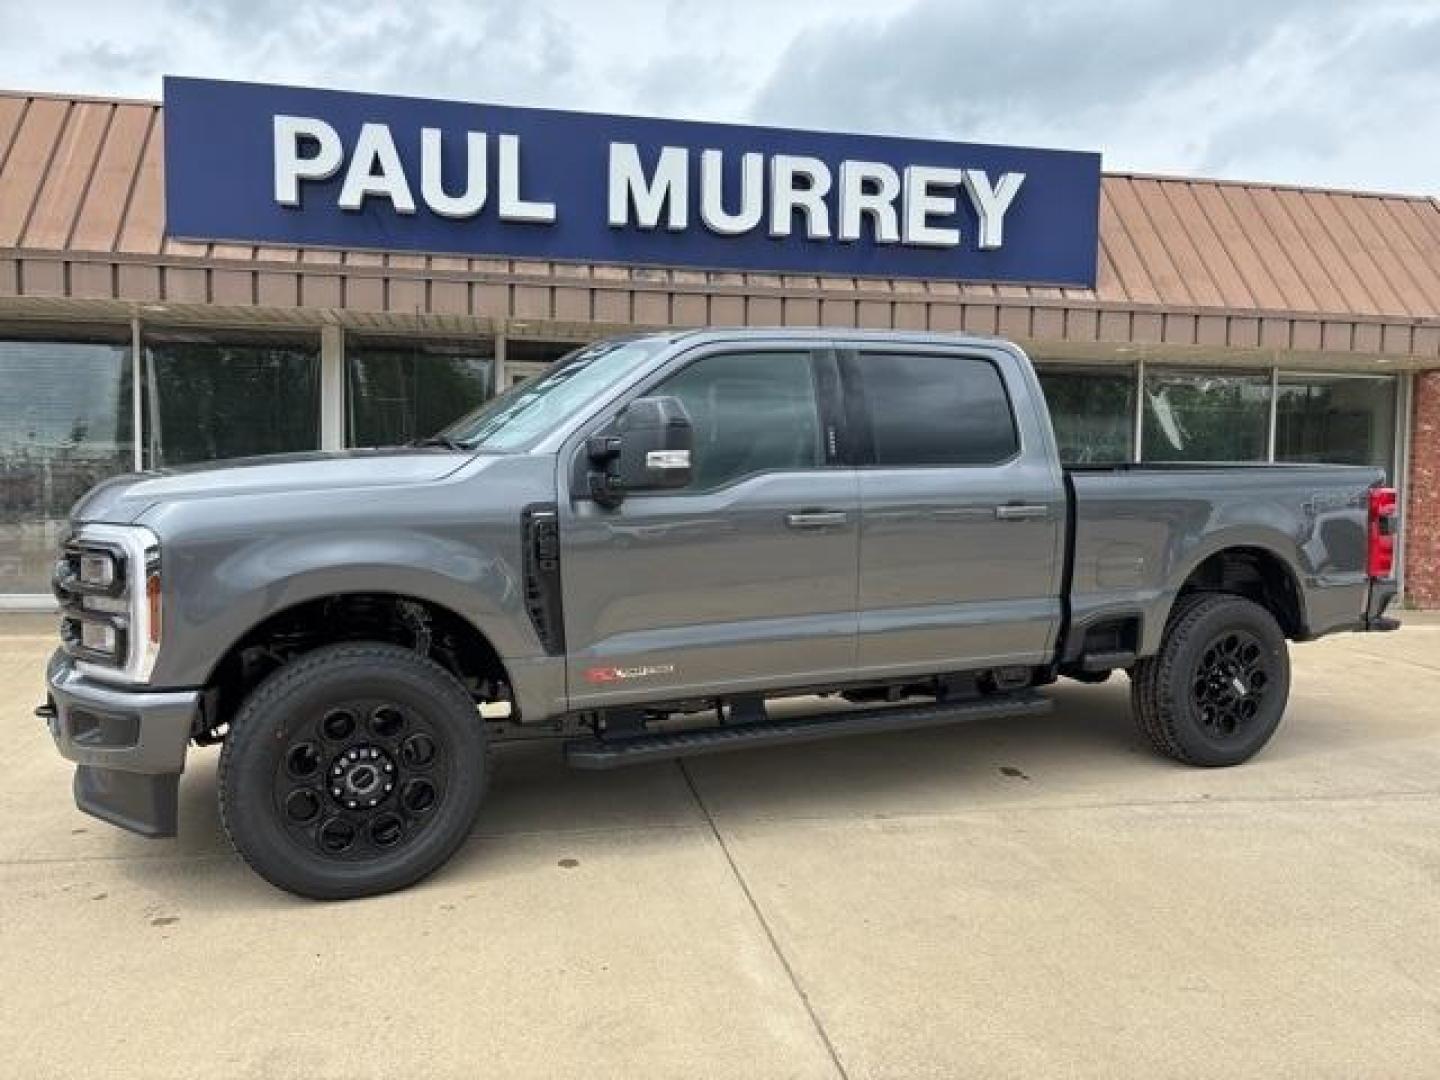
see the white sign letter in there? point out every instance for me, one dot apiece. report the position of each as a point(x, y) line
point(432, 180)
point(291, 168)
point(786, 198)
point(921, 202)
point(375, 148)
point(712, 199)
point(512, 206)
point(869, 187)
point(991, 203)
point(669, 189)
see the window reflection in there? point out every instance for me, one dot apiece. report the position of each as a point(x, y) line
point(1092, 412)
point(208, 398)
point(1205, 416)
point(65, 410)
point(1341, 419)
point(400, 391)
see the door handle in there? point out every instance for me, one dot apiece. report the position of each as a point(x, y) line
point(1022, 511)
point(816, 519)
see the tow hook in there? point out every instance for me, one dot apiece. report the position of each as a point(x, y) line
point(50, 714)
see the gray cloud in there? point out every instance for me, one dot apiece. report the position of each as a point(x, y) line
point(941, 64)
point(678, 82)
point(1162, 86)
point(113, 60)
point(479, 48)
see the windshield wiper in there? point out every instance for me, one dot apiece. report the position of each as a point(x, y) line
point(440, 440)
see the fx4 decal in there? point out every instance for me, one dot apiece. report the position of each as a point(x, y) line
point(624, 674)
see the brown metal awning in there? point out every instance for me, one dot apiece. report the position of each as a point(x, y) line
point(1183, 265)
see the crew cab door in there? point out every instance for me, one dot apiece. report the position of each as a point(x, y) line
point(962, 509)
point(745, 578)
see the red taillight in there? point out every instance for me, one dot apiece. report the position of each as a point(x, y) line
point(1384, 514)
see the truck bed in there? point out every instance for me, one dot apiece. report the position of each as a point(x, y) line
point(1139, 530)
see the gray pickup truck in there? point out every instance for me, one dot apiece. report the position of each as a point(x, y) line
point(635, 553)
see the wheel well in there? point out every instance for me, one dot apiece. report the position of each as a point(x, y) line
point(431, 629)
point(1256, 574)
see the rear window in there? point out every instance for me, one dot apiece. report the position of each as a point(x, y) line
point(937, 410)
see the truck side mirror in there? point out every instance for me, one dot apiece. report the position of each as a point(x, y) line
point(649, 451)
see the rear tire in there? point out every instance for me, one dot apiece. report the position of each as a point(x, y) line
point(1216, 691)
point(356, 769)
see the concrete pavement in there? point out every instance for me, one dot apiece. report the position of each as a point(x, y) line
point(1024, 898)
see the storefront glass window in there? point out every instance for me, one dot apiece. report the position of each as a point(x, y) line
point(207, 398)
point(399, 391)
point(526, 358)
point(65, 410)
point(1347, 420)
point(533, 351)
point(1205, 416)
point(1092, 411)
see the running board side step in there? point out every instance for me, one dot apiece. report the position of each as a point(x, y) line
point(600, 753)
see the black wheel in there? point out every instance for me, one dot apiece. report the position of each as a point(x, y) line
point(1215, 692)
point(355, 770)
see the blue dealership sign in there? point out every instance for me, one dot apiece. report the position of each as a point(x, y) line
point(323, 168)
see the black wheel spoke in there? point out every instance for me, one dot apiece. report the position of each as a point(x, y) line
point(418, 795)
point(338, 724)
point(418, 751)
point(303, 761)
point(303, 805)
point(336, 835)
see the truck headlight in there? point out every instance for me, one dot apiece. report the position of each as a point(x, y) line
point(98, 570)
point(98, 637)
point(108, 583)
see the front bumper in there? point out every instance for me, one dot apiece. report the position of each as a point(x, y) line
point(128, 746)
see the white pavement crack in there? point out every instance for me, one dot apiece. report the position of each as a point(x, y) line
point(765, 925)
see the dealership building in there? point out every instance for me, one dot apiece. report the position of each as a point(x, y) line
point(148, 319)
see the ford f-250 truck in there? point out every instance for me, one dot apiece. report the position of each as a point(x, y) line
point(634, 552)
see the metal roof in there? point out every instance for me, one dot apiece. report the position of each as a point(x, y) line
point(82, 215)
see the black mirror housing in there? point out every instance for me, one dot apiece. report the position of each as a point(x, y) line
point(656, 441)
point(647, 448)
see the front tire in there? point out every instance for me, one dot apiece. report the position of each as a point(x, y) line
point(1216, 691)
point(354, 770)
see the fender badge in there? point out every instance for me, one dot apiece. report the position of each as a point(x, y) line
point(623, 674)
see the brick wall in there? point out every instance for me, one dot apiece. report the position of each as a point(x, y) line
point(1422, 531)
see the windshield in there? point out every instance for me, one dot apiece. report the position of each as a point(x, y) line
point(526, 412)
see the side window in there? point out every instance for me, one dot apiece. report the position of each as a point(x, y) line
point(751, 412)
point(936, 410)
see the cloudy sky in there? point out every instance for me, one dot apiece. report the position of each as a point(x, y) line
point(1335, 92)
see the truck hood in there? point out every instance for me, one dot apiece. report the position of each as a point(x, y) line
point(123, 499)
